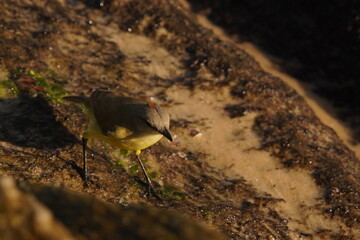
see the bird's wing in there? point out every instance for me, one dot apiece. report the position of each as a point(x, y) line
point(114, 114)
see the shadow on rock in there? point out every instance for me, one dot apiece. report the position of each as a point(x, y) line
point(30, 122)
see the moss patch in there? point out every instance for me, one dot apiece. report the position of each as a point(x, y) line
point(8, 89)
point(30, 82)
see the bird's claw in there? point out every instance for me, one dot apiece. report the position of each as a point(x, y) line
point(85, 179)
point(151, 191)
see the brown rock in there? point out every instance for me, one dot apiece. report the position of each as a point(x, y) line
point(264, 167)
point(22, 216)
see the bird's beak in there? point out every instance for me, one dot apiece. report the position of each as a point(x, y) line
point(167, 134)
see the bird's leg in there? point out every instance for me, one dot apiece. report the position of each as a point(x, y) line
point(151, 190)
point(84, 143)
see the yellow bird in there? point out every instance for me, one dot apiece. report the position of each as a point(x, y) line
point(124, 123)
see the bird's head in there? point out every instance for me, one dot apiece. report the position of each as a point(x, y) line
point(158, 119)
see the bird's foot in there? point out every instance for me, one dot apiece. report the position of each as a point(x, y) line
point(151, 191)
point(81, 172)
point(150, 188)
point(85, 178)
point(93, 179)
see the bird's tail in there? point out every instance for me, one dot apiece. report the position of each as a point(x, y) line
point(78, 99)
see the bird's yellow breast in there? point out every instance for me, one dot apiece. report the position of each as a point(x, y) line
point(136, 143)
point(122, 138)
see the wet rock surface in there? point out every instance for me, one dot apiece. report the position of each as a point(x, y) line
point(318, 43)
point(250, 157)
